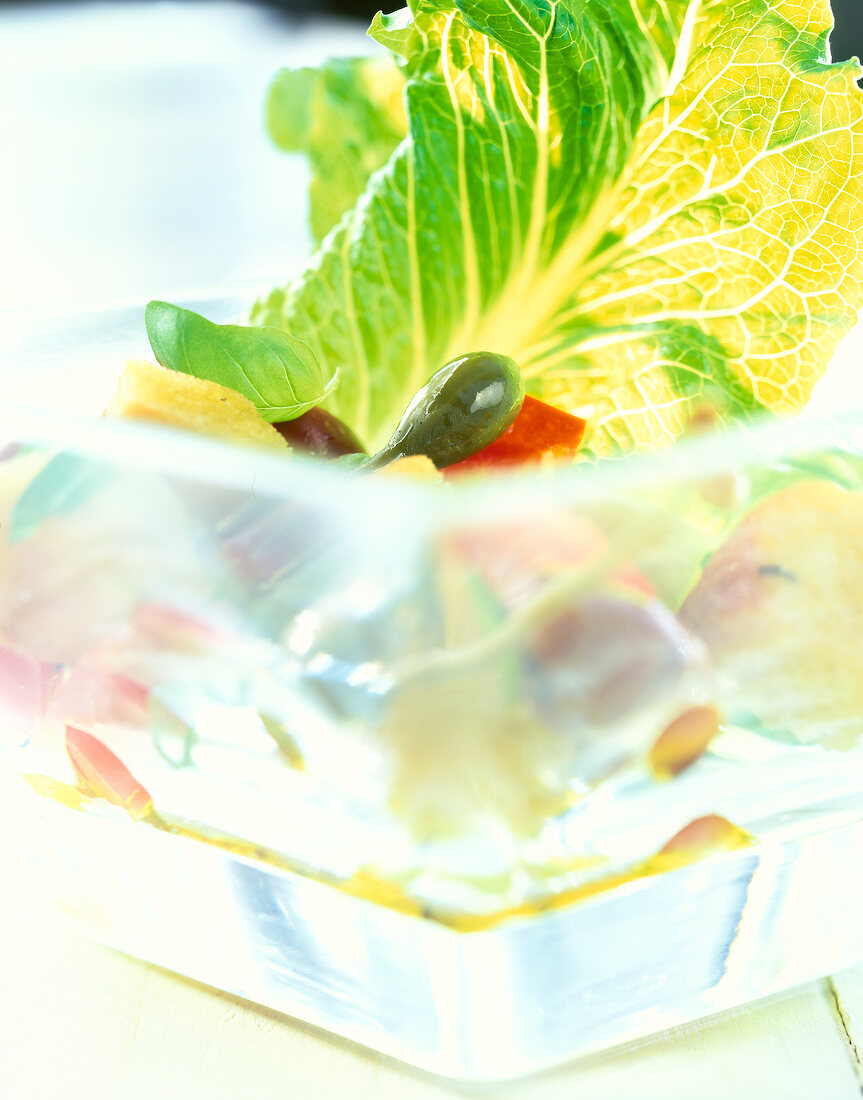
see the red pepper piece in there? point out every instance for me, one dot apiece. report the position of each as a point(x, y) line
point(538, 430)
point(105, 774)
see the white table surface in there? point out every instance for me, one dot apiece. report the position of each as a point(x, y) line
point(81, 1022)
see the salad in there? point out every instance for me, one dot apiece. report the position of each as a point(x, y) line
point(550, 235)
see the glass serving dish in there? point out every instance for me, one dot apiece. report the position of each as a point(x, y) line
point(485, 776)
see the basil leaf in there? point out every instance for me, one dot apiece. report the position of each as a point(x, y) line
point(64, 483)
point(278, 373)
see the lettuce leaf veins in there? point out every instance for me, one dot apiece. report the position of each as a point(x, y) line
point(650, 205)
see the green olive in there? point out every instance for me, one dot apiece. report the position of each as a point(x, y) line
point(463, 408)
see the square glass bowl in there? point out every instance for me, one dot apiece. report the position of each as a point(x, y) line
point(485, 775)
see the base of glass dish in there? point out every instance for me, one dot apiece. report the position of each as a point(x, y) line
point(523, 996)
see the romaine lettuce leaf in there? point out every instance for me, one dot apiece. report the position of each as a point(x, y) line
point(648, 204)
point(347, 117)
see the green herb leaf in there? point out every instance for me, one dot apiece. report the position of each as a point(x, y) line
point(347, 117)
point(647, 204)
point(278, 373)
point(65, 482)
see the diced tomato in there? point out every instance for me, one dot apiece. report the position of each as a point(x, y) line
point(538, 430)
point(105, 774)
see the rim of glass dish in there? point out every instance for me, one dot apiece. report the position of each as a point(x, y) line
point(483, 497)
point(469, 499)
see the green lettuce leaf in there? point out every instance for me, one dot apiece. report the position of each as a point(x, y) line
point(649, 204)
point(347, 117)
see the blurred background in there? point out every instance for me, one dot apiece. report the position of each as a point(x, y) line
point(847, 42)
point(136, 164)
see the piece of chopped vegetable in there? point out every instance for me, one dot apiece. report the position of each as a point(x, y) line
point(105, 774)
point(539, 431)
